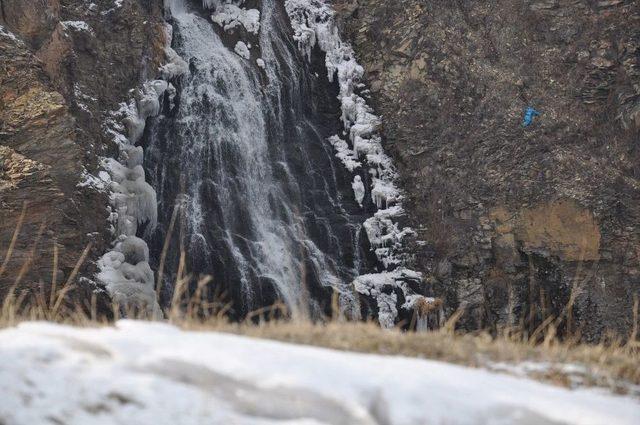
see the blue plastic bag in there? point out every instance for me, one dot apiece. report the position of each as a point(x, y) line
point(529, 114)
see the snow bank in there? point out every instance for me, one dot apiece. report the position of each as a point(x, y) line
point(144, 373)
point(124, 271)
point(313, 25)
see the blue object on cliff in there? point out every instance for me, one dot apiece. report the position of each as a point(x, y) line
point(529, 114)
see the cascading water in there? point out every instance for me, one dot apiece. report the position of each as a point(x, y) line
point(265, 207)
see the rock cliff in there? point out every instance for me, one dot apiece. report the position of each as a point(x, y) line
point(515, 223)
point(511, 219)
point(64, 66)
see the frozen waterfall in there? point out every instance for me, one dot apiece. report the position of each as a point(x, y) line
point(266, 208)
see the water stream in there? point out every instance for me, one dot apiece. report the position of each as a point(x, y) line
point(265, 207)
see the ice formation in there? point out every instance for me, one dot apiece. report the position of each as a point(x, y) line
point(384, 193)
point(217, 5)
point(125, 270)
point(380, 286)
point(345, 154)
point(314, 25)
point(230, 16)
point(242, 50)
point(175, 65)
point(358, 189)
point(214, 4)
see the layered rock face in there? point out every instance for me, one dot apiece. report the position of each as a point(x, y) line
point(515, 224)
point(63, 66)
point(512, 220)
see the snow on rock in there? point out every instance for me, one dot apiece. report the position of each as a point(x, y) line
point(76, 26)
point(230, 16)
point(6, 33)
point(98, 183)
point(155, 374)
point(314, 25)
point(242, 50)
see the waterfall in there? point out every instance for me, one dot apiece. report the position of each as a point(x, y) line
point(265, 206)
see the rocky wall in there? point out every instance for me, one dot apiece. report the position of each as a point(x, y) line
point(512, 220)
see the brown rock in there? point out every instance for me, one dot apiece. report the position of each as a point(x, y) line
point(40, 168)
point(33, 20)
point(563, 228)
point(58, 85)
point(557, 193)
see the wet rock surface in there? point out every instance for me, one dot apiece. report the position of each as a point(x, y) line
point(513, 218)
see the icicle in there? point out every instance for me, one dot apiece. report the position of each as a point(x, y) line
point(358, 189)
point(313, 24)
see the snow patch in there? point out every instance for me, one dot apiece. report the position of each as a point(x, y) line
point(76, 26)
point(99, 183)
point(156, 374)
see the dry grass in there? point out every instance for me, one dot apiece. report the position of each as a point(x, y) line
point(609, 364)
point(612, 363)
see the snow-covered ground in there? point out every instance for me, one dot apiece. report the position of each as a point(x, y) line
point(144, 373)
